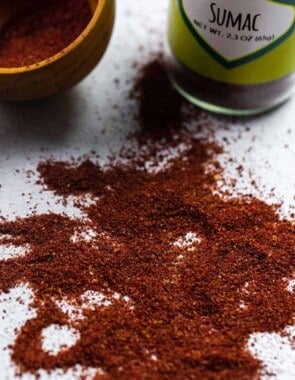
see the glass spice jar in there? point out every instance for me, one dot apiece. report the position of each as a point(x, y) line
point(234, 57)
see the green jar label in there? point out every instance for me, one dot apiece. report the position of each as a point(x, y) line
point(235, 41)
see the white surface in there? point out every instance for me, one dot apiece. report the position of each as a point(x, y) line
point(89, 300)
point(56, 338)
point(274, 349)
point(71, 125)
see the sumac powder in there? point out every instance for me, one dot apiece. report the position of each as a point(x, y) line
point(40, 31)
point(196, 274)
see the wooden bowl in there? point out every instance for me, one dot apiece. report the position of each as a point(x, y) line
point(65, 68)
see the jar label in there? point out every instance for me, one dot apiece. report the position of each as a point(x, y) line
point(234, 33)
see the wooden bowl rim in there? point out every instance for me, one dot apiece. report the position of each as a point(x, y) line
point(101, 4)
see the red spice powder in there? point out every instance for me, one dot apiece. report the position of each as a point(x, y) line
point(184, 318)
point(162, 111)
point(159, 105)
point(40, 32)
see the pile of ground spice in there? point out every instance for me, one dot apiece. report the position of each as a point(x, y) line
point(41, 31)
point(194, 274)
point(161, 114)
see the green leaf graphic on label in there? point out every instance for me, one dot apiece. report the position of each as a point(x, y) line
point(235, 32)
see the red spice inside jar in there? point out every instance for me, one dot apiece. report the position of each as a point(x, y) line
point(39, 32)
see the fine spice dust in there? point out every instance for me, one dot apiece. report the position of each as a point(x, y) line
point(159, 115)
point(194, 275)
point(41, 31)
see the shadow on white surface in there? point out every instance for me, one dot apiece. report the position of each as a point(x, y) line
point(43, 121)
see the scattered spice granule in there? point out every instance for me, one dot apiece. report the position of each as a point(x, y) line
point(179, 313)
point(159, 105)
point(39, 32)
